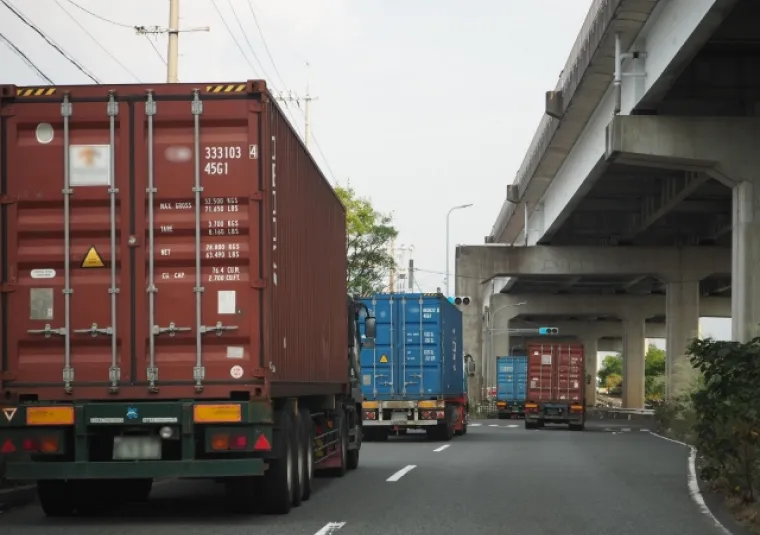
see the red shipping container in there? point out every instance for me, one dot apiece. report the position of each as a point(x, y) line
point(556, 373)
point(176, 243)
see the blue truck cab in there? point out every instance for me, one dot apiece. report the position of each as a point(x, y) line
point(511, 386)
point(414, 376)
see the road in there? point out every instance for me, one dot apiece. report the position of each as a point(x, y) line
point(499, 479)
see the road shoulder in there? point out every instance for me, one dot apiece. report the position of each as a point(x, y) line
point(16, 497)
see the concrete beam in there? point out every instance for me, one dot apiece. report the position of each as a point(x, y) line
point(485, 261)
point(723, 147)
point(590, 305)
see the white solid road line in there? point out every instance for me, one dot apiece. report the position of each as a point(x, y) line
point(401, 473)
point(442, 447)
point(693, 483)
point(330, 527)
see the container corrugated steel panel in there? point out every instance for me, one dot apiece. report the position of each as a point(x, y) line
point(555, 373)
point(418, 351)
point(511, 378)
point(266, 212)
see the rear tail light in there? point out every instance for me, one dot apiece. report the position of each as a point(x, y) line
point(29, 444)
point(8, 447)
point(576, 408)
point(227, 441)
point(262, 444)
point(370, 415)
point(41, 445)
point(439, 414)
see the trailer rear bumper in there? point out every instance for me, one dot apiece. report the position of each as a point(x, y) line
point(399, 423)
point(35, 471)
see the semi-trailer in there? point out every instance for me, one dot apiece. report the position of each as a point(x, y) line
point(556, 387)
point(414, 376)
point(162, 314)
point(511, 384)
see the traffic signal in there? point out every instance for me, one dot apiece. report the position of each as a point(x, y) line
point(548, 331)
point(460, 300)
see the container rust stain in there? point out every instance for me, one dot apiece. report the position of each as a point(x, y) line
point(216, 270)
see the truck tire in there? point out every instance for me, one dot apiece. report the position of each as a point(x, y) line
point(307, 428)
point(299, 451)
point(281, 479)
point(55, 498)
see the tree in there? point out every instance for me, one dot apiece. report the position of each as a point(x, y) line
point(654, 372)
point(612, 365)
point(369, 234)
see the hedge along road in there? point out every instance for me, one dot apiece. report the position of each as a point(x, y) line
point(493, 480)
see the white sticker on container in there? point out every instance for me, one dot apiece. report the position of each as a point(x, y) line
point(546, 360)
point(90, 165)
point(236, 372)
point(43, 273)
point(226, 302)
point(234, 352)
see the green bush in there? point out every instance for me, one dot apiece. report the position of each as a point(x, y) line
point(727, 413)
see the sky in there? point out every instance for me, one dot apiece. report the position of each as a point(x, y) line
point(420, 106)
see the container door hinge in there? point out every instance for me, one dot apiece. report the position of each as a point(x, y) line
point(257, 196)
point(4, 199)
point(259, 284)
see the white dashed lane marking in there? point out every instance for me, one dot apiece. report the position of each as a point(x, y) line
point(401, 473)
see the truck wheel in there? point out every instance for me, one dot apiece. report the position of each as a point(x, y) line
point(55, 498)
point(299, 453)
point(307, 428)
point(529, 425)
point(281, 478)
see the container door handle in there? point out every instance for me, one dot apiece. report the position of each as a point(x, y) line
point(94, 331)
point(219, 328)
point(48, 331)
point(172, 329)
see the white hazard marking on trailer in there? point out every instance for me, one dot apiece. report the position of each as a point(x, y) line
point(10, 413)
point(236, 372)
point(401, 473)
point(442, 447)
point(330, 527)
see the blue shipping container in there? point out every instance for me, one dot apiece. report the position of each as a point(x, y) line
point(418, 348)
point(511, 378)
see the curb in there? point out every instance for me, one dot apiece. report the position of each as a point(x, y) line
point(15, 497)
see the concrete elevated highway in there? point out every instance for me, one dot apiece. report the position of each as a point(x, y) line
point(640, 183)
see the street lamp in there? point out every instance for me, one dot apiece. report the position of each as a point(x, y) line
point(448, 215)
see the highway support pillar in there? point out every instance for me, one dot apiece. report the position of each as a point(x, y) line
point(590, 343)
point(634, 350)
point(724, 148)
point(681, 324)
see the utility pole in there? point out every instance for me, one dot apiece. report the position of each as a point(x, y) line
point(307, 99)
point(411, 274)
point(172, 55)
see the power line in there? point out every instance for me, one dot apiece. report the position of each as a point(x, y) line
point(245, 36)
point(49, 41)
point(104, 49)
point(26, 59)
point(156, 50)
point(266, 47)
point(99, 17)
point(242, 52)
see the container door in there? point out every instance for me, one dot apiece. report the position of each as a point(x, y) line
point(504, 379)
point(67, 278)
point(378, 363)
point(198, 220)
point(542, 376)
point(520, 378)
point(570, 376)
point(421, 346)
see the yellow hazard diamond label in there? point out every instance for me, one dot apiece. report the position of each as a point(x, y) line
point(92, 259)
point(384, 358)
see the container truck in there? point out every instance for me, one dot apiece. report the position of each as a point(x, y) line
point(414, 376)
point(556, 388)
point(511, 382)
point(162, 314)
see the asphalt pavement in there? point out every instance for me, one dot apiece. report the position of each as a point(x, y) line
point(499, 479)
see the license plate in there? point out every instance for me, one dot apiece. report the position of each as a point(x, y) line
point(398, 418)
point(135, 448)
